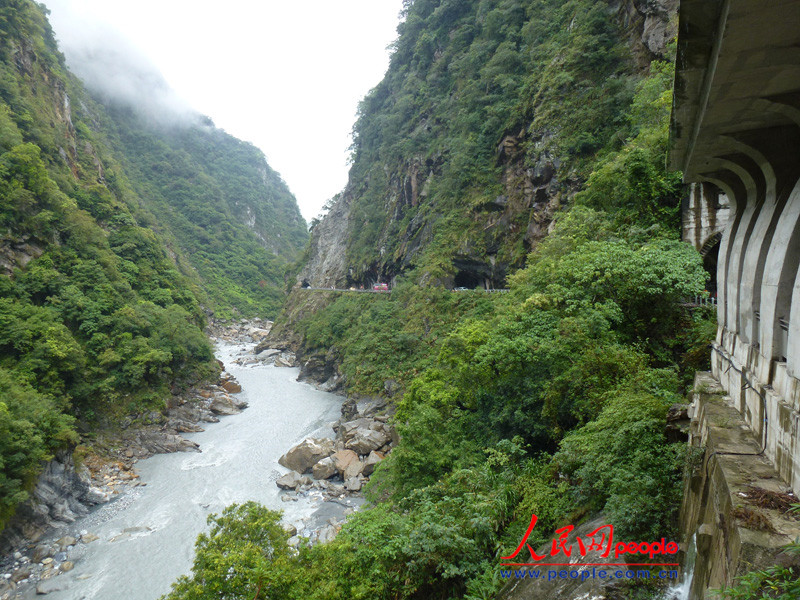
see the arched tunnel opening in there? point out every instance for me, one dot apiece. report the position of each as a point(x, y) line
point(467, 279)
point(710, 254)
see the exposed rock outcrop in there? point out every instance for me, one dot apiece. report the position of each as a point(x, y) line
point(327, 264)
point(62, 494)
point(651, 24)
point(342, 466)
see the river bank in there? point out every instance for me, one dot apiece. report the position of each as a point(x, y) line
point(137, 544)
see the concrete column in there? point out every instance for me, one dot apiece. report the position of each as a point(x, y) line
point(778, 282)
point(740, 231)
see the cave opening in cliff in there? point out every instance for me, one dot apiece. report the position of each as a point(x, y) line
point(467, 279)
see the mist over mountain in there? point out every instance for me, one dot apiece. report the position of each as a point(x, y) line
point(203, 185)
point(114, 69)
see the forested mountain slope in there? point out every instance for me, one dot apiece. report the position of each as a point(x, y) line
point(116, 240)
point(232, 216)
point(487, 121)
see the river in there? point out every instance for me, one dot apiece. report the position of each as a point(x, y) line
point(238, 462)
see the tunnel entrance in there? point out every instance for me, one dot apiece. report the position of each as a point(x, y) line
point(710, 254)
point(467, 279)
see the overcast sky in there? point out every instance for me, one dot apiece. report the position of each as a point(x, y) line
point(286, 76)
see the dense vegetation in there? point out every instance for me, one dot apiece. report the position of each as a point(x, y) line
point(777, 582)
point(101, 314)
point(232, 216)
point(550, 399)
point(555, 76)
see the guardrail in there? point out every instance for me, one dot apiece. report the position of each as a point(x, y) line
point(705, 300)
point(700, 301)
point(324, 289)
point(330, 289)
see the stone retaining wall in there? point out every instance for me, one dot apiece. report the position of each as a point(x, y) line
point(724, 493)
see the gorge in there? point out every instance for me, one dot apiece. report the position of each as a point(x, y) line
point(637, 373)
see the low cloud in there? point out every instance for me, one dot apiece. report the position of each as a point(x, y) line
point(113, 69)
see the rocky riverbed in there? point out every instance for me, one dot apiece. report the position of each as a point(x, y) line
point(145, 508)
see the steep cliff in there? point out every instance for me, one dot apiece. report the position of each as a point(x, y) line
point(116, 239)
point(486, 123)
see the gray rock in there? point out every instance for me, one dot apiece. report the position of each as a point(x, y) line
point(354, 469)
point(327, 534)
point(306, 454)
point(286, 359)
point(366, 440)
point(372, 460)
point(222, 405)
point(21, 574)
point(353, 484)
point(48, 586)
point(41, 552)
point(159, 442)
point(291, 481)
point(348, 429)
point(65, 542)
point(335, 489)
point(325, 468)
point(96, 496)
point(349, 410)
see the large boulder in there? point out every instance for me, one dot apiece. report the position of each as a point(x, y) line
point(366, 440)
point(291, 481)
point(324, 469)
point(348, 429)
point(231, 387)
point(343, 459)
point(372, 460)
point(49, 586)
point(306, 454)
point(354, 469)
point(222, 405)
point(353, 484)
point(159, 442)
point(267, 354)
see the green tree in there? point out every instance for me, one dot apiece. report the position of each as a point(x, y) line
point(243, 556)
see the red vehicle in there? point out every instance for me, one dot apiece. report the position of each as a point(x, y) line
point(380, 287)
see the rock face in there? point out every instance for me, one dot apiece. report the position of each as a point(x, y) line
point(306, 454)
point(61, 495)
point(650, 24)
point(327, 264)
